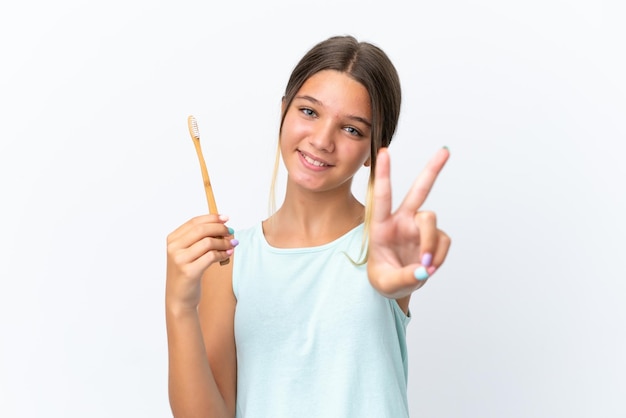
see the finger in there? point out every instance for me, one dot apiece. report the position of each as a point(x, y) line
point(212, 257)
point(395, 284)
point(382, 187)
point(191, 223)
point(443, 247)
point(196, 267)
point(207, 245)
point(195, 231)
point(433, 260)
point(198, 233)
point(424, 182)
point(429, 236)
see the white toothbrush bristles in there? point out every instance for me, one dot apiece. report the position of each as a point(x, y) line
point(195, 133)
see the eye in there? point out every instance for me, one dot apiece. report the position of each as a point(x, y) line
point(308, 112)
point(353, 131)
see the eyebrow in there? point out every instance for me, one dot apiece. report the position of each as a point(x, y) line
point(353, 117)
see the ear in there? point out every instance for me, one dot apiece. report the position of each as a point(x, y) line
point(367, 162)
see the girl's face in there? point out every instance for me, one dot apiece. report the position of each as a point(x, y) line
point(326, 133)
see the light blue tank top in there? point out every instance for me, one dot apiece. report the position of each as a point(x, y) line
point(314, 338)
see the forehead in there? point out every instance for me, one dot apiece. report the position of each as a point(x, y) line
point(335, 89)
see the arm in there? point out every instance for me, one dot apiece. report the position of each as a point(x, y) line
point(199, 318)
point(405, 247)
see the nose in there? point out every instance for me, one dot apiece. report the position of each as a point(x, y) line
point(323, 138)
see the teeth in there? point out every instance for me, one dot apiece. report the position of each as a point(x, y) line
point(314, 162)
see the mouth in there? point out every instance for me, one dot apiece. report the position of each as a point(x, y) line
point(314, 161)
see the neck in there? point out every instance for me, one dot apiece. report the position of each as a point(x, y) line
point(313, 218)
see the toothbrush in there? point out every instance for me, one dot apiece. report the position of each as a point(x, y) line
point(210, 198)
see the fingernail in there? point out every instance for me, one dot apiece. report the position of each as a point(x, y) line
point(420, 273)
point(223, 218)
point(431, 270)
point(234, 242)
point(446, 148)
point(230, 231)
point(230, 252)
point(427, 259)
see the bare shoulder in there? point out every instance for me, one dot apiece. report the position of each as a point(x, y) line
point(217, 317)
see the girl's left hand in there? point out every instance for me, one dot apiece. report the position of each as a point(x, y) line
point(405, 247)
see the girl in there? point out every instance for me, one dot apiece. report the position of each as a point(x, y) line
point(309, 317)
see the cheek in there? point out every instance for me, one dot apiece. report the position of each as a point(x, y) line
point(293, 130)
point(361, 152)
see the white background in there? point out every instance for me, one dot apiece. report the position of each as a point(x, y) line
point(525, 319)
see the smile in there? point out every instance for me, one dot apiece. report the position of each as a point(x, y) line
point(313, 161)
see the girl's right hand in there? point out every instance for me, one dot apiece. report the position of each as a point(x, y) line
point(191, 249)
